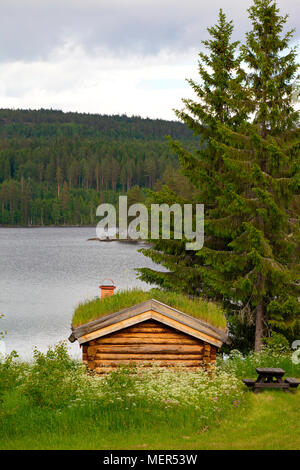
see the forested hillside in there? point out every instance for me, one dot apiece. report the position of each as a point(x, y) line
point(55, 167)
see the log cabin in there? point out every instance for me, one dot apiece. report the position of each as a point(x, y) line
point(146, 334)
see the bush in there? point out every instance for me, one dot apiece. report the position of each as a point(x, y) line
point(53, 380)
point(11, 373)
point(277, 343)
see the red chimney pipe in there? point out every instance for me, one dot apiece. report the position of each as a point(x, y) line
point(107, 290)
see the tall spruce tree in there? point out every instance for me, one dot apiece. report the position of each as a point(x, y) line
point(218, 95)
point(249, 179)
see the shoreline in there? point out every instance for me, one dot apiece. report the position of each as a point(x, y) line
point(125, 240)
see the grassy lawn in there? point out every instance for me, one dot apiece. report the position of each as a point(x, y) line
point(268, 420)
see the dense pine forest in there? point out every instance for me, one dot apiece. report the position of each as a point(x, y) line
point(56, 168)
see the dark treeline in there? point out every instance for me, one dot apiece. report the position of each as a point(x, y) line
point(50, 123)
point(55, 167)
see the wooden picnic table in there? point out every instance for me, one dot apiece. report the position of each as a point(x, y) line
point(269, 377)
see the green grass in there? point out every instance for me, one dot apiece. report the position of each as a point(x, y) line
point(203, 310)
point(51, 403)
point(245, 366)
point(269, 420)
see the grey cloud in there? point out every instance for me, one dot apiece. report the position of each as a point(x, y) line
point(31, 29)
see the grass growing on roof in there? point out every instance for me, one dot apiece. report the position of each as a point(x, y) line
point(203, 310)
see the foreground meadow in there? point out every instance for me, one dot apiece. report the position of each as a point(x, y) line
point(53, 404)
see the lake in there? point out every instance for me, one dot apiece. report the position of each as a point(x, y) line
point(46, 272)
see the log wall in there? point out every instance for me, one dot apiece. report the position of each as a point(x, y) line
point(147, 343)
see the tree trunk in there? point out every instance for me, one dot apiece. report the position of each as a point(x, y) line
point(259, 327)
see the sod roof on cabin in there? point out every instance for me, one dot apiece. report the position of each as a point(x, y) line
point(208, 312)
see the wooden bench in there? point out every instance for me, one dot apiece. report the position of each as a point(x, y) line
point(292, 382)
point(259, 386)
point(249, 382)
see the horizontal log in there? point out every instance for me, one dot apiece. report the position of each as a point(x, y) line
point(148, 340)
point(174, 362)
point(104, 370)
point(148, 357)
point(149, 325)
point(138, 334)
point(107, 370)
point(144, 329)
point(128, 333)
point(145, 348)
point(153, 331)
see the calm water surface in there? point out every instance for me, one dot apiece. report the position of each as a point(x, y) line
point(45, 272)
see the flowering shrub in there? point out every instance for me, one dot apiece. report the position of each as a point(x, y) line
point(179, 388)
point(206, 396)
point(54, 378)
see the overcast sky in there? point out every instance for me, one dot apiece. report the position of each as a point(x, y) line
point(109, 56)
